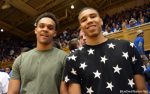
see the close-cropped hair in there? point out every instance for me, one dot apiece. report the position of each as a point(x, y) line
point(86, 9)
point(49, 15)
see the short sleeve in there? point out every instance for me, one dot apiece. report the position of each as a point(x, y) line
point(136, 61)
point(16, 69)
point(71, 70)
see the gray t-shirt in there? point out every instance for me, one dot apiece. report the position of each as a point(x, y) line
point(40, 72)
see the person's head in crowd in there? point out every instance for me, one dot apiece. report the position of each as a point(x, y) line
point(140, 33)
point(82, 38)
point(56, 44)
point(142, 21)
point(8, 69)
point(73, 44)
point(91, 24)
point(46, 26)
point(132, 22)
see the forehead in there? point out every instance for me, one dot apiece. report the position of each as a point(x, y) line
point(87, 12)
point(46, 20)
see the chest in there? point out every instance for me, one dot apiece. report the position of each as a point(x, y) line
point(38, 66)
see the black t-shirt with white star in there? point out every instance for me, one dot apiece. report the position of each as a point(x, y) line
point(107, 68)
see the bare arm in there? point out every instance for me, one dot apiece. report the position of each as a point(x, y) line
point(140, 84)
point(14, 87)
point(63, 88)
point(74, 89)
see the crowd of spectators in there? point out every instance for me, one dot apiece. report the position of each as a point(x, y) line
point(126, 19)
point(11, 48)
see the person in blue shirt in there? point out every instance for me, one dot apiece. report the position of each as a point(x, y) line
point(139, 44)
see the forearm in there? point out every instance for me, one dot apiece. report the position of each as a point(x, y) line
point(14, 87)
point(74, 89)
point(140, 84)
point(63, 88)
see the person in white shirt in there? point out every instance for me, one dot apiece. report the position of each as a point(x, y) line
point(4, 81)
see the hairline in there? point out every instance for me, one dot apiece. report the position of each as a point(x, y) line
point(86, 8)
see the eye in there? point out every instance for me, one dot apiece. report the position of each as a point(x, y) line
point(50, 27)
point(83, 19)
point(41, 25)
point(81, 37)
point(93, 15)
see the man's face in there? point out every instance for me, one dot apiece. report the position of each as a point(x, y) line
point(90, 22)
point(7, 70)
point(45, 30)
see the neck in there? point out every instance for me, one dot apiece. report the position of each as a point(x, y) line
point(43, 47)
point(95, 40)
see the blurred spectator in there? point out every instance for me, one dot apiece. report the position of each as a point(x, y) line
point(73, 44)
point(132, 22)
point(4, 81)
point(82, 38)
point(139, 44)
point(8, 69)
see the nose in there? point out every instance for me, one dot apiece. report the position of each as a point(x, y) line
point(45, 29)
point(84, 38)
point(89, 20)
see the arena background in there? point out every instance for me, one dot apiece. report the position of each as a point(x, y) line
point(17, 22)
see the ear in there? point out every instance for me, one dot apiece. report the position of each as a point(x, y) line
point(35, 30)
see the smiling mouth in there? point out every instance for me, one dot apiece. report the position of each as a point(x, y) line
point(91, 26)
point(44, 35)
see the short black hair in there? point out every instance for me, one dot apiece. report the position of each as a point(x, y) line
point(49, 15)
point(85, 8)
point(73, 44)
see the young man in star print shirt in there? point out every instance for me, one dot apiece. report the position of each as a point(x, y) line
point(103, 66)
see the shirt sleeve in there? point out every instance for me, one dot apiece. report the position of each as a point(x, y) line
point(71, 70)
point(16, 69)
point(136, 61)
point(141, 46)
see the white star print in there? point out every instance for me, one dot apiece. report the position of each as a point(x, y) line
point(89, 90)
point(111, 45)
point(69, 57)
point(91, 51)
point(83, 65)
point(80, 48)
point(97, 74)
point(133, 59)
point(73, 57)
point(117, 69)
point(66, 79)
point(73, 72)
point(109, 85)
point(131, 83)
point(103, 59)
point(125, 55)
point(131, 44)
point(144, 67)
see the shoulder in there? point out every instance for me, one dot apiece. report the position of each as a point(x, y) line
point(77, 52)
point(28, 52)
point(4, 75)
point(24, 55)
point(119, 41)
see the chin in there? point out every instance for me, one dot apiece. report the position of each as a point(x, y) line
point(45, 42)
point(94, 34)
